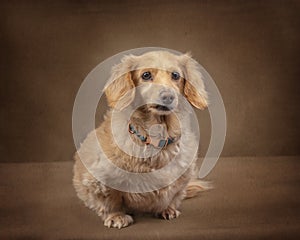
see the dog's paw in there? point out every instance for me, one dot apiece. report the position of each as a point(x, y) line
point(170, 213)
point(118, 220)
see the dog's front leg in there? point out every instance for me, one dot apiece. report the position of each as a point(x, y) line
point(105, 201)
point(112, 211)
point(172, 211)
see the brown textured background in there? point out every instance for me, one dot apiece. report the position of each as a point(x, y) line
point(250, 48)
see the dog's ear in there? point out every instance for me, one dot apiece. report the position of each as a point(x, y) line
point(194, 89)
point(120, 90)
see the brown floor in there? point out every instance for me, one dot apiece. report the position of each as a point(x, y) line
point(254, 198)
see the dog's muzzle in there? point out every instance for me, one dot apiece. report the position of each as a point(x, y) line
point(167, 99)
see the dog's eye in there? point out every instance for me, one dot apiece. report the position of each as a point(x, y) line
point(175, 75)
point(146, 76)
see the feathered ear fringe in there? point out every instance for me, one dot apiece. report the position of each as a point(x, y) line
point(120, 90)
point(194, 88)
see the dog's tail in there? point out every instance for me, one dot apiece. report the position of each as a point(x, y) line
point(196, 186)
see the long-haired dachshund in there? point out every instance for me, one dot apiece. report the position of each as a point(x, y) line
point(158, 78)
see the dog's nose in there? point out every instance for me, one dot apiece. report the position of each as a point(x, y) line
point(167, 97)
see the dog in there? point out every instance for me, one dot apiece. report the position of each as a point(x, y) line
point(157, 79)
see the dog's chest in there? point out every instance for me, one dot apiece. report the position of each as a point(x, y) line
point(155, 201)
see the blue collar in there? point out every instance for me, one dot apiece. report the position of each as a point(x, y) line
point(147, 139)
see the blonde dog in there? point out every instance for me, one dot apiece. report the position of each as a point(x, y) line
point(162, 77)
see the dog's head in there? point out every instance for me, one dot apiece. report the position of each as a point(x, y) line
point(162, 75)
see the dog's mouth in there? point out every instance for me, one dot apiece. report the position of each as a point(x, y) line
point(162, 108)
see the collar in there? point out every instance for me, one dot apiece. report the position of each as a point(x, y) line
point(158, 143)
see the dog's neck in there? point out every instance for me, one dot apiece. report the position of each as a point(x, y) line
point(143, 119)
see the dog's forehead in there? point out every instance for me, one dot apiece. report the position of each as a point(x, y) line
point(159, 60)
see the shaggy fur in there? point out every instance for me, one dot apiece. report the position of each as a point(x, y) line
point(113, 205)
